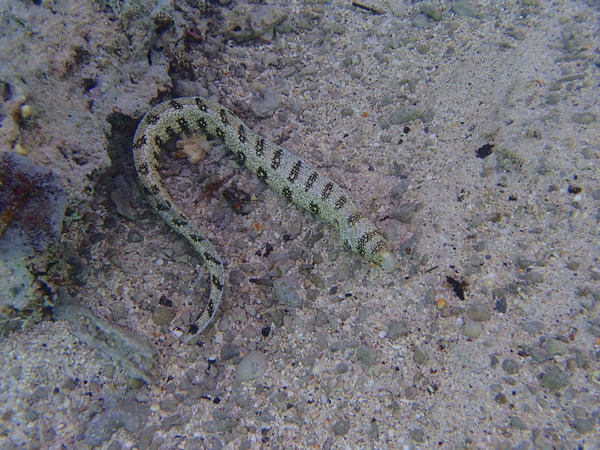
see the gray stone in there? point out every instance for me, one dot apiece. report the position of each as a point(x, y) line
point(472, 329)
point(431, 11)
point(533, 326)
point(510, 366)
point(397, 330)
point(419, 356)
point(417, 435)
point(267, 105)
point(285, 291)
point(405, 114)
point(478, 312)
point(555, 347)
point(118, 412)
point(517, 422)
point(584, 118)
point(252, 366)
point(163, 315)
point(265, 18)
point(341, 427)
point(366, 355)
point(533, 277)
point(341, 368)
point(555, 379)
point(583, 425)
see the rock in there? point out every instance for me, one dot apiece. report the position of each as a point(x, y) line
point(163, 315)
point(431, 11)
point(517, 422)
point(118, 412)
point(285, 291)
point(510, 366)
point(397, 330)
point(252, 366)
point(366, 355)
point(478, 312)
point(419, 356)
point(472, 329)
point(341, 427)
point(265, 18)
point(555, 379)
point(341, 368)
point(555, 347)
point(405, 114)
point(267, 105)
point(417, 435)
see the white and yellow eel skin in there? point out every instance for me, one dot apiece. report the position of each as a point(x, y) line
point(283, 171)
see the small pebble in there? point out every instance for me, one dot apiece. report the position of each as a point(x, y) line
point(265, 18)
point(397, 330)
point(555, 379)
point(501, 305)
point(419, 356)
point(404, 115)
point(555, 347)
point(584, 118)
point(174, 420)
point(463, 9)
point(285, 291)
point(510, 366)
point(252, 366)
point(341, 368)
point(538, 355)
point(341, 427)
point(533, 277)
point(267, 106)
point(472, 329)
point(533, 326)
point(583, 425)
point(405, 213)
point(501, 399)
point(517, 422)
point(431, 11)
point(163, 315)
point(478, 312)
point(366, 355)
point(417, 435)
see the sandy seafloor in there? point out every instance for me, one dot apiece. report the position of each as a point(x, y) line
point(354, 357)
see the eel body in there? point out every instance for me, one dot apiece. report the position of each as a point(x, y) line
point(283, 171)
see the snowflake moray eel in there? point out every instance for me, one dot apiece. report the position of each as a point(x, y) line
point(283, 171)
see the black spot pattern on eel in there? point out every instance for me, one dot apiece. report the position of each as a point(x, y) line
point(354, 218)
point(209, 257)
point(183, 124)
point(216, 283)
point(311, 180)
point(276, 161)
point(201, 124)
point(223, 116)
point(242, 133)
point(200, 104)
point(260, 146)
point(327, 190)
point(170, 131)
point(241, 156)
point(287, 193)
point(261, 174)
point(314, 208)
point(295, 171)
